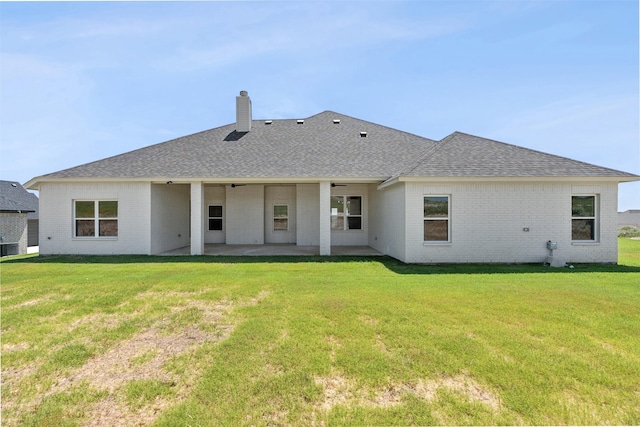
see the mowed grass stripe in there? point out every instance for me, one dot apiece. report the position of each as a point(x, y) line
point(311, 341)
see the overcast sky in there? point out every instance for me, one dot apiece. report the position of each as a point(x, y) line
point(83, 81)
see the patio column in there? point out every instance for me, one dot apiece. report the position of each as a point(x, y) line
point(197, 218)
point(325, 218)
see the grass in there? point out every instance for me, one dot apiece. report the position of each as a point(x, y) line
point(315, 341)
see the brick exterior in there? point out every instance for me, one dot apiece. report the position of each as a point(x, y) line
point(13, 229)
point(488, 222)
point(56, 219)
point(488, 219)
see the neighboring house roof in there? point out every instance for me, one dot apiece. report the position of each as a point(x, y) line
point(14, 198)
point(329, 144)
point(629, 217)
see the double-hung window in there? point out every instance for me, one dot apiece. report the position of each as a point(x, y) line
point(346, 212)
point(280, 217)
point(215, 218)
point(95, 218)
point(584, 218)
point(437, 219)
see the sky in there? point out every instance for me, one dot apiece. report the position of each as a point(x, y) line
point(81, 81)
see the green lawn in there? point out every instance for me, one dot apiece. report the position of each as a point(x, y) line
point(315, 341)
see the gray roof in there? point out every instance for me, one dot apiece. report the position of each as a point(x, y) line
point(318, 147)
point(461, 154)
point(14, 198)
point(629, 217)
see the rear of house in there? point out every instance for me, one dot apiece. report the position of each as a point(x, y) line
point(331, 180)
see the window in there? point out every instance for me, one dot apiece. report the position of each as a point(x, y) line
point(215, 218)
point(583, 218)
point(95, 218)
point(346, 212)
point(280, 217)
point(436, 219)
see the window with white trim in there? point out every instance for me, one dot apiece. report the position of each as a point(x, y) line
point(95, 218)
point(215, 218)
point(437, 224)
point(584, 218)
point(280, 217)
point(346, 212)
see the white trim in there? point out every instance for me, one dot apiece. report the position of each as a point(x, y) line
point(96, 220)
point(34, 183)
point(209, 217)
point(383, 181)
point(273, 216)
point(448, 219)
point(480, 179)
point(595, 218)
point(345, 224)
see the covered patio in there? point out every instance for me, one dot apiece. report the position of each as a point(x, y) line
point(274, 250)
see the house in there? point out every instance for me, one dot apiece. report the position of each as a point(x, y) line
point(331, 180)
point(629, 219)
point(16, 206)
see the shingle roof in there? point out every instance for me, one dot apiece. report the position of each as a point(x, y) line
point(316, 148)
point(14, 198)
point(462, 154)
point(320, 147)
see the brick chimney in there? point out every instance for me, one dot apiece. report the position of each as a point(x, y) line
point(243, 112)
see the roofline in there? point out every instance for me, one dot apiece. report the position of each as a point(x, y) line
point(533, 150)
point(383, 181)
point(458, 179)
point(34, 184)
point(16, 210)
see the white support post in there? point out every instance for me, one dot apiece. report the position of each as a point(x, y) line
point(325, 218)
point(197, 218)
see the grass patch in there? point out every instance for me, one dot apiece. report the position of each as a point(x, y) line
point(311, 340)
point(142, 392)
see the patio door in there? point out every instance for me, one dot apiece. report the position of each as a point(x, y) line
point(280, 214)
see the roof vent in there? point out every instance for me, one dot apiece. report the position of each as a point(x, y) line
point(363, 134)
point(300, 122)
point(268, 122)
point(336, 121)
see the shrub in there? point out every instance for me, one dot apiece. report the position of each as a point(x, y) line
point(629, 231)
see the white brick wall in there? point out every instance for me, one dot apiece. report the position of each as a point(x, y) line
point(606, 250)
point(56, 218)
point(279, 195)
point(308, 215)
point(487, 219)
point(353, 237)
point(214, 196)
point(169, 217)
point(245, 215)
point(487, 222)
point(386, 221)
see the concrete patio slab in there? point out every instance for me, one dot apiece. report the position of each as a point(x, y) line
point(274, 249)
